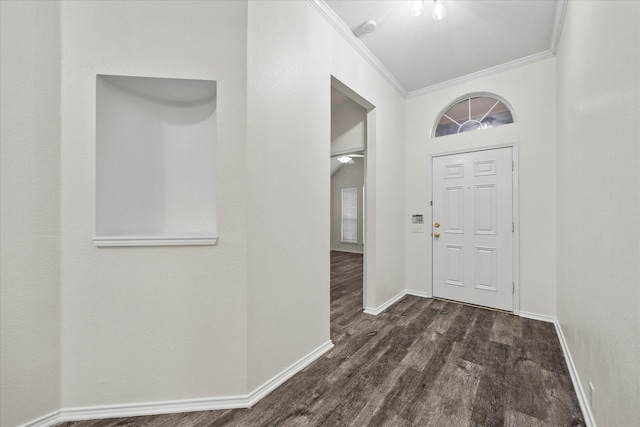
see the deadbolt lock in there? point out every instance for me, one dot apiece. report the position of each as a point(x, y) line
point(436, 225)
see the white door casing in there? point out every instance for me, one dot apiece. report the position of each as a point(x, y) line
point(473, 259)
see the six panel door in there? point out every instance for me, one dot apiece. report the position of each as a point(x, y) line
point(473, 228)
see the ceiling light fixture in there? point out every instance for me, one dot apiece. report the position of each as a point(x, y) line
point(345, 159)
point(439, 11)
point(417, 7)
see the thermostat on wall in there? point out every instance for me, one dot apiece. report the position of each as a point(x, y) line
point(417, 223)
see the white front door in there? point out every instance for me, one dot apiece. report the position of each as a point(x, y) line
point(473, 228)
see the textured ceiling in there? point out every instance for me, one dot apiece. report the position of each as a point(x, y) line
point(475, 35)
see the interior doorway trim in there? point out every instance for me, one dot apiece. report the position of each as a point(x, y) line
point(515, 207)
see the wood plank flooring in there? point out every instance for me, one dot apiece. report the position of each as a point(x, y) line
point(422, 362)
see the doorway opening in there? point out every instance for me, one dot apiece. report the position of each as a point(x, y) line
point(352, 128)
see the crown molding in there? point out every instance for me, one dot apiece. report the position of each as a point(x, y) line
point(541, 56)
point(328, 14)
point(558, 22)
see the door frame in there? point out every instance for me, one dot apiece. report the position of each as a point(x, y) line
point(368, 209)
point(515, 202)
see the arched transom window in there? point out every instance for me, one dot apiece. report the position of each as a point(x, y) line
point(473, 112)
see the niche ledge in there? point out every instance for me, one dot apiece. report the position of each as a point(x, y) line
point(155, 240)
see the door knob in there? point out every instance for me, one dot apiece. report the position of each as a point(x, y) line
point(436, 234)
point(436, 225)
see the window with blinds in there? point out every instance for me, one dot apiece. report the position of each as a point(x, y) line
point(350, 215)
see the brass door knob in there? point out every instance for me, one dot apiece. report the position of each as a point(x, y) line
point(436, 225)
point(436, 234)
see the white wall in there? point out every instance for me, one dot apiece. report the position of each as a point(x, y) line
point(599, 202)
point(530, 89)
point(348, 176)
point(385, 174)
point(29, 209)
point(152, 324)
point(385, 180)
point(288, 145)
point(289, 137)
point(161, 323)
point(348, 125)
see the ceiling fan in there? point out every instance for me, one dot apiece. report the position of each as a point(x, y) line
point(347, 159)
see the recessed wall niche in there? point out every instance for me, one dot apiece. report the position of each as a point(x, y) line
point(155, 161)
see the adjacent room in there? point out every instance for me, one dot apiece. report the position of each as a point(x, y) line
point(348, 192)
point(319, 212)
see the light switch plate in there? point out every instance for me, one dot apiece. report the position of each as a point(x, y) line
point(417, 228)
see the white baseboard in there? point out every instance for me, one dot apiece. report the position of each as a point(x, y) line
point(246, 401)
point(536, 316)
point(266, 388)
point(377, 310)
point(398, 297)
point(575, 378)
point(418, 293)
point(573, 372)
point(50, 419)
point(349, 251)
point(153, 408)
point(186, 405)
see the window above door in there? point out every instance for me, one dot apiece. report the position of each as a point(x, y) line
point(473, 112)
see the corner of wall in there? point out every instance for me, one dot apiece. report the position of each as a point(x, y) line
point(30, 211)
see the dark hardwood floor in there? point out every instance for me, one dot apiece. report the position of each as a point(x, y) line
point(422, 362)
